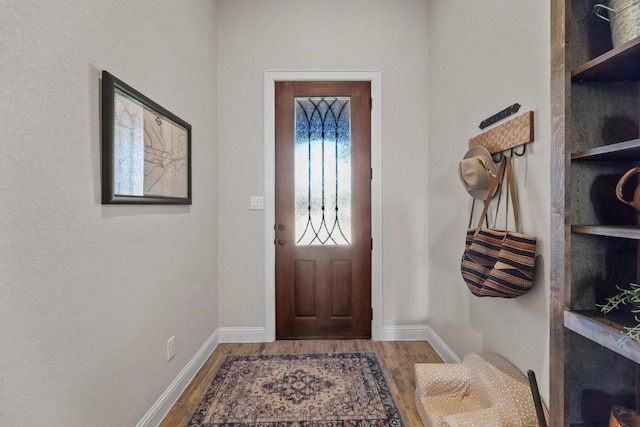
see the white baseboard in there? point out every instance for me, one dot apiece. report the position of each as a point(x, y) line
point(441, 347)
point(242, 334)
point(154, 416)
point(404, 333)
point(389, 333)
point(420, 333)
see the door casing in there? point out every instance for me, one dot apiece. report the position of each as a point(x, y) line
point(270, 77)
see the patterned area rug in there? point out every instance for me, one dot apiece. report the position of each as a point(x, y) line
point(301, 390)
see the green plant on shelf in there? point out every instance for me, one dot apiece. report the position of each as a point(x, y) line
point(625, 296)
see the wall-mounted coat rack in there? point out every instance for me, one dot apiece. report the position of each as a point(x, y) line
point(515, 132)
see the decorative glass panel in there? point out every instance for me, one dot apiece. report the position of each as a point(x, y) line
point(323, 171)
point(128, 141)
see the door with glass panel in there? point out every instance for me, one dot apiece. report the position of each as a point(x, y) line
point(323, 210)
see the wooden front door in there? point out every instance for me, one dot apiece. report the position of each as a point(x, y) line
point(323, 210)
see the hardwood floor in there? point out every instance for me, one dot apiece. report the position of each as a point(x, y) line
point(396, 359)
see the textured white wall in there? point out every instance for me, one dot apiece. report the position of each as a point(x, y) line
point(485, 56)
point(333, 35)
point(89, 294)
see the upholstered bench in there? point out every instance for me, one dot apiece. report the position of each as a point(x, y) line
point(484, 390)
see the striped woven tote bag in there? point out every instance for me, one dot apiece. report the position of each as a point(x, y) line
point(499, 263)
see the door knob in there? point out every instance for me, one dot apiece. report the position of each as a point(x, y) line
point(280, 227)
point(281, 242)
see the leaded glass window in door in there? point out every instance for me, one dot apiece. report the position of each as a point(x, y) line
point(323, 171)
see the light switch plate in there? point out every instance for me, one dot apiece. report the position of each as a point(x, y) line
point(257, 202)
point(171, 348)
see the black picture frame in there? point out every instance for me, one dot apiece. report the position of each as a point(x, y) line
point(146, 149)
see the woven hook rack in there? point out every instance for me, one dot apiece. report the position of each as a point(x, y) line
point(513, 133)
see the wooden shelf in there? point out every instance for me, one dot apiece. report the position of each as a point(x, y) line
point(605, 331)
point(621, 231)
point(621, 151)
point(619, 64)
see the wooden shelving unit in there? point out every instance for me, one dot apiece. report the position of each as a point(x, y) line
point(596, 135)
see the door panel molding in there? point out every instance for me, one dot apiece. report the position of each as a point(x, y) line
point(270, 78)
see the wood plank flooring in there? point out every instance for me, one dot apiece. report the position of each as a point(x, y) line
point(396, 359)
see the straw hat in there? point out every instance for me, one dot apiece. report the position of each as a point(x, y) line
point(477, 171)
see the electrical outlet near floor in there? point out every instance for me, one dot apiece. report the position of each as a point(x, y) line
point(171, 348)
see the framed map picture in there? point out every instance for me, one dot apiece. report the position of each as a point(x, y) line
point(146, 150)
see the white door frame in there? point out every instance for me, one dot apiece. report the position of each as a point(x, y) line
point(270, 78)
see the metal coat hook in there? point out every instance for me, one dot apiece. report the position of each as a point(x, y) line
point(524, 150)
point(497, 157)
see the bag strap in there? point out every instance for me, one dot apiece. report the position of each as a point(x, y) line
point(510, 190)
point(511, 187)
point(505, 172)
point(495, 217)
point(494, 185)
point(473, 205)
